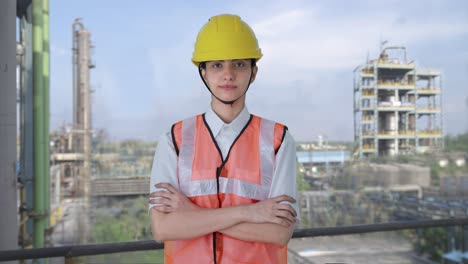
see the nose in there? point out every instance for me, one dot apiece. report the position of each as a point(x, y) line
point(228, 73)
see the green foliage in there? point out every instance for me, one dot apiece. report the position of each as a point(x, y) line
point(302, 185)
point(435, 172)
point(129, 158)
point(127, 222)
point(142, 257)
point(433, 242)
point(458, 143)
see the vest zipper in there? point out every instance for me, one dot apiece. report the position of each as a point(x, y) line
point(220, 168)
point(218, 173)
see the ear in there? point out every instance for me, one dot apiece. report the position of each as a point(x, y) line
point(254, 73)
point(203, 73)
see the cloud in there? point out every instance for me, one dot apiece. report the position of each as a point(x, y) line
point(107, 99)
point(458, 107)
point(309, 55)
point(280, 23)
point(299, 39)
point(305, 77)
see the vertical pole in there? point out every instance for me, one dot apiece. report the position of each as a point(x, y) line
point(46, 75)
point(418, 241)
point(38, 110)
point(82, 112)
point(376, 111)
point(441, 115)
point(87, 135)
point(465, 242)
point(27, 142)
point(451, 239)
point(57, 184)
point(398, 129)
point(416, 97)
point(357, 138)
point(21, 175)
point(8, 204)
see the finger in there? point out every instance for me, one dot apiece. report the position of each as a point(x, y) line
point(284, 198)
point(282, 222)
point(154, 194)
point(164, 185)
point(163, 194)
point(286, 215)
point(164, 209)
point(159, 201)
point(287, 207)
point(171, 188)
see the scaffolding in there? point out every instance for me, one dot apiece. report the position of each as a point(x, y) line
point(397, 107)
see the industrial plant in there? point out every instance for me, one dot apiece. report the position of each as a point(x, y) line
point(397, 106)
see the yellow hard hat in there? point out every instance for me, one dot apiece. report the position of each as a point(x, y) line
point(225, 37)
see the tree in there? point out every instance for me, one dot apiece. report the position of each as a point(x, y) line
point(302, 184)
point(458, 143)
point(127, 222)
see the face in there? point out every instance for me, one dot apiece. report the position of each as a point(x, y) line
point(228, 79)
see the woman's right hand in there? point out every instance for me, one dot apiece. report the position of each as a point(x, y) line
point(170, 199)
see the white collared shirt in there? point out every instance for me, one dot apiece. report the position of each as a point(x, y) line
point(284, 178)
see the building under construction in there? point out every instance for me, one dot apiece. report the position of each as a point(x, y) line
point(397, 107)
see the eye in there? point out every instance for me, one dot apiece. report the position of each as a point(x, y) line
point(239, 64)
point(217, 65)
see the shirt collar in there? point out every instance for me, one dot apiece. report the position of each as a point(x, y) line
point(215, 123)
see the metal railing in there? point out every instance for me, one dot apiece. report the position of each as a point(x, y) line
point(99, 249)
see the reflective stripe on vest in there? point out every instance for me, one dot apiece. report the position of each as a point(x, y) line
point(226, 185)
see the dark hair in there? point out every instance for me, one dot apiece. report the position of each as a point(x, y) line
point(203, 64)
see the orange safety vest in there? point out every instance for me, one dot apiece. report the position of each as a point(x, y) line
point(244, 177)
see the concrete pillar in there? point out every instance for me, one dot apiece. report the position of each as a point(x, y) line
point(8, 201)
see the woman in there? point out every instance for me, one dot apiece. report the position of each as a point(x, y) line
point(223, 183)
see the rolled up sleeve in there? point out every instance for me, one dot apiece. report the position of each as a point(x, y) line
point(164, 169)
point(284, 176)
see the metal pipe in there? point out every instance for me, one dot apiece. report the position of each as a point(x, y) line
point(39, 210)
point(46, 99)
point(76, 27)
point(84, 73)
point(58, 180)
point(397, 47)
point(26, 125)
point(29, 122)
point(21, 174)
point(74, 71)
point(8, 181)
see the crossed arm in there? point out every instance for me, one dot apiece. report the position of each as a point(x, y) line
point(175, 217)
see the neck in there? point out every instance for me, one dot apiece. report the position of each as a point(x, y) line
point(227, 112)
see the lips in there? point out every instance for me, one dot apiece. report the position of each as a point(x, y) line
point(227, 87)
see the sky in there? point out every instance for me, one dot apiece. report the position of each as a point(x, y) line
point(144, 80)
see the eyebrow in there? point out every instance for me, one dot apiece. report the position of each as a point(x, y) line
point(221, 61)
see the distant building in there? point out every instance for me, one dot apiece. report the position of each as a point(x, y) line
point(397, 107)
